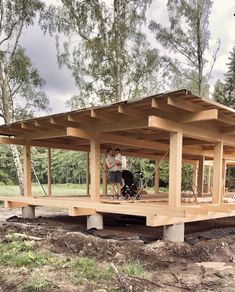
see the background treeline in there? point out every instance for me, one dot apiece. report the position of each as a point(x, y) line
point(69, 167)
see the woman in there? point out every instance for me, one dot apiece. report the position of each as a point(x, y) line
point(115, 173)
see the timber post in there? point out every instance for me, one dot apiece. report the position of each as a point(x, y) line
point(201, 176)
point(156, 177)
point(104, 175)
point(49, 171)
point(195, 178)
point(87, 173)
point(27, 170)
point(217, 193)
point(95, 170)
point(175, 169)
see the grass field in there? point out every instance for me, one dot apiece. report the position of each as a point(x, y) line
point(58, 190)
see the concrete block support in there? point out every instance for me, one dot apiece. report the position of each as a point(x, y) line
point(95, 221)
point(28, 212)
point(174, 232)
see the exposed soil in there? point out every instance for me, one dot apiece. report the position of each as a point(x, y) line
point(205, 262)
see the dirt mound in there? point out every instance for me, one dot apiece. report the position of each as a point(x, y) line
point(203, 264)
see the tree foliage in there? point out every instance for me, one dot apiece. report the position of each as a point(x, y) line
point(20, 83)
point(224, 92)
point(186, 43)
point(230, 79)
point(105, 48)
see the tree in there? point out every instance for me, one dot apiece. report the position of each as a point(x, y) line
point(105, 48)
point(230, 77)
point(20, 83)
point(224, 92)
point(186, 41)
point(219, 93)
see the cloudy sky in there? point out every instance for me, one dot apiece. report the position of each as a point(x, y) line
point(59, 82)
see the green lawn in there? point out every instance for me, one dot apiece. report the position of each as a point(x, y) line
point(58, 190)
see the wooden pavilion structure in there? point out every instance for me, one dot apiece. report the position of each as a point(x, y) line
point(190, 127)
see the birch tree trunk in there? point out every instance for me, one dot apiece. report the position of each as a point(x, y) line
point(119, 15)
point(6, 111)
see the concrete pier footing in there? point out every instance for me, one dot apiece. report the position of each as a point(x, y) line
point(28, 212)
point(174, 232)
point(95, 221)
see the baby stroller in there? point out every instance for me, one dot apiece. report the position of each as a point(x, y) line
point(131, 184)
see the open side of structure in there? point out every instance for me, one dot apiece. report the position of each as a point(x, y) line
point(180, 124)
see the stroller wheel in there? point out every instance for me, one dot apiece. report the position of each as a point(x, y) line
point(127, 196)
point(138, 197)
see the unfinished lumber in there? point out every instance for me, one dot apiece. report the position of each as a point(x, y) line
point(218, 174)
point(95, 170)
point(104, 175)
point(195, 178)
point(175, 166)
point(88, 173)
point(12, 205)
point(156, 177)
point(49, 171)
point(75, 211)
point(200, 182)
point(27, 170)
point(205, 115)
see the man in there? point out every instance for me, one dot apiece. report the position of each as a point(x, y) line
point(115, 173)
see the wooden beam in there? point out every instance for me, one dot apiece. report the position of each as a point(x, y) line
point(28, 126)
point(7, 131)
point(195, 178)
point(95, 170)
point(229, 130)
point(118, 139)
point(49, 171)
point(175, 165)
point(217, 174)
point(156, 177)
point(12, 205)
point(182, 104)
point(75, 211)
point(27, 170)
point(12, 141)
point(192, 131)
point(104, 175)
point(88, 173)
point(209, 179)
point(226, 119)
point(204, 115)
point(127, 141)
point(42, 125)
point(101, 115)
point(224, 174)
point(216, 208)
point(129, 111)
point(200, 182)
point(122, 125)
point(53, 133)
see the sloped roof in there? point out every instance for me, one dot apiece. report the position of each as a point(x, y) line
point(130, 119)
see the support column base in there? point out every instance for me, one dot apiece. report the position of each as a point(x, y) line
point(174, 232)
point(28, 212)
point(95, 221)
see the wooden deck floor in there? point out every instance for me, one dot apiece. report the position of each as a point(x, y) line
point(157, 212)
